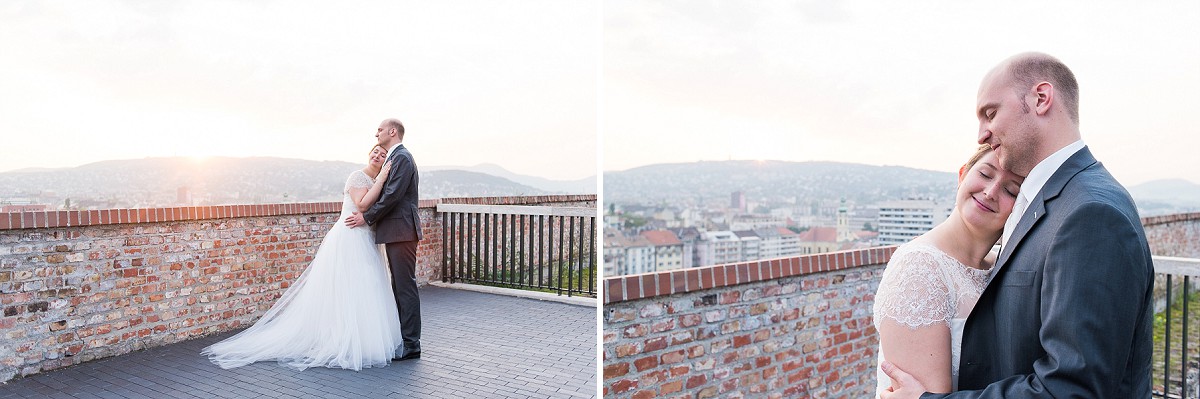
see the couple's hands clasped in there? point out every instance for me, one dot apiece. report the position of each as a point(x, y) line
point(904, 386)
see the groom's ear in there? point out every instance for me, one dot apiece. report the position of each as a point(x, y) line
point(1043, 97)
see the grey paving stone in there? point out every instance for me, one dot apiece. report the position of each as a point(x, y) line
point(475, 345)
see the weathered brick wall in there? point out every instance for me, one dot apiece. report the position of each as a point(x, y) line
point(1174, 235)
point(797, 327)
point(82, 285)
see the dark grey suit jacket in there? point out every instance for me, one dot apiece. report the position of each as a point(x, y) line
point(1068, 310)
point(394, 214)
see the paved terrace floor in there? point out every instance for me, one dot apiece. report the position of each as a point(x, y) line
point(475, 345)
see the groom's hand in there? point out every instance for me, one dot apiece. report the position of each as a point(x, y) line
point(355, 220)
point(904, 386)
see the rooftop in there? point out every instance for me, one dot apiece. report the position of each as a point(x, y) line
point(515, 348)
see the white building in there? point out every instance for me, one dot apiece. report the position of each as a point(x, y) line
point(750, 244)
point(639, 256)
point(627, 255)
point(901, 221)
point(720, 247)
point(668, 249)
point(777, 243)
point(755, 221)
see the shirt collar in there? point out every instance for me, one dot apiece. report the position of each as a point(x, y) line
point(1043, 170)
point(393, 149)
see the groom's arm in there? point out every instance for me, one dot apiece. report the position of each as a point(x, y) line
point(399, 178)
point(1093, 294)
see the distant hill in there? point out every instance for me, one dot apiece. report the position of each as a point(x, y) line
point(1166, 196)
point(584, 186)
point(801, 181)
point(221, 180)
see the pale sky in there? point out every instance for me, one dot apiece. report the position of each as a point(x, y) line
point(889, 83)
point(512, 83)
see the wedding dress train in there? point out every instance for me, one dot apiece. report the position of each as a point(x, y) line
point(339, 313)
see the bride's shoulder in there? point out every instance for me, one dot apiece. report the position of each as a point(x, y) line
point(359, 178)
point(914, 253)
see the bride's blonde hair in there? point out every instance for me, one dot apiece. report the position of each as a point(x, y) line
point(979, 153)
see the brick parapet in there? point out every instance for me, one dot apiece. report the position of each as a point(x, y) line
point(93, 287)
point(1175, 235)
point(649, 285)
point(81, 218)
point(783, 331)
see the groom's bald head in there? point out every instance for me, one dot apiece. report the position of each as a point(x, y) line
point(390, 132)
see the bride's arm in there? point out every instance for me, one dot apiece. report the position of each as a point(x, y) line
point(923, 352)
point(364, 197)
point(913, 309)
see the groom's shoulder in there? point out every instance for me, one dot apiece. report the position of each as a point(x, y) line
point(1096, 187)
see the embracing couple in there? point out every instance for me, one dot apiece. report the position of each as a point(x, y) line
point(345, 311)
point(1063, 310)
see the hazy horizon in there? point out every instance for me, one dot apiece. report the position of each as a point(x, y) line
point(202, 159)
point(1190, 180)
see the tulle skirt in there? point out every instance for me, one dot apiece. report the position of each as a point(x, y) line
point(339, 313)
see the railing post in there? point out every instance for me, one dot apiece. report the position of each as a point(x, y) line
point(512, 246)
point(492, 244)
point(531, 265)
point(541, 249)
point(445, 241)
point(503, 243)
point(1183, 380)
point(558, 281)
point(1167, 343)
point(592, 255)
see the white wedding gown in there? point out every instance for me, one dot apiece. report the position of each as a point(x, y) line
point(339, 313)
point(923, 286)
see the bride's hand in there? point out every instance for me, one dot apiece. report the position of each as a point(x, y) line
point(383, 171)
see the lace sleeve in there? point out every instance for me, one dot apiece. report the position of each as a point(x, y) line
point(914, 291)
point(358, 179)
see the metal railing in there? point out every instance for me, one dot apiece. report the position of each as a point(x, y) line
point(1186, 383)
point(539, 248)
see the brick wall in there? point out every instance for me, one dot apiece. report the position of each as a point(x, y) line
point(1174, 235)
point(796, 327)
point(82, 285)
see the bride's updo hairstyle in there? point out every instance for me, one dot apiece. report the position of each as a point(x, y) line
point(373, 149)
point(979, 153)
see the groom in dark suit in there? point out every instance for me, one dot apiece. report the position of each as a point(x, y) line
point(1068, 309)
point(398, 226)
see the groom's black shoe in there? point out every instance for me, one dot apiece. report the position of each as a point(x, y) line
point(406, 354)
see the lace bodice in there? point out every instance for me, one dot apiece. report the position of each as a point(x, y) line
point(922, 285)
point(358, 179)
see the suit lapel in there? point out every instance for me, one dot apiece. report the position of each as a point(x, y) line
point(1037, 207)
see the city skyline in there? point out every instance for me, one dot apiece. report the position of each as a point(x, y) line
point(887, 84)
point(308, 80)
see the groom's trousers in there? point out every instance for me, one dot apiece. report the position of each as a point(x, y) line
point(402, 260)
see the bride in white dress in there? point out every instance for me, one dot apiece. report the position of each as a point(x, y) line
point(340, 312)
point(931, 283)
